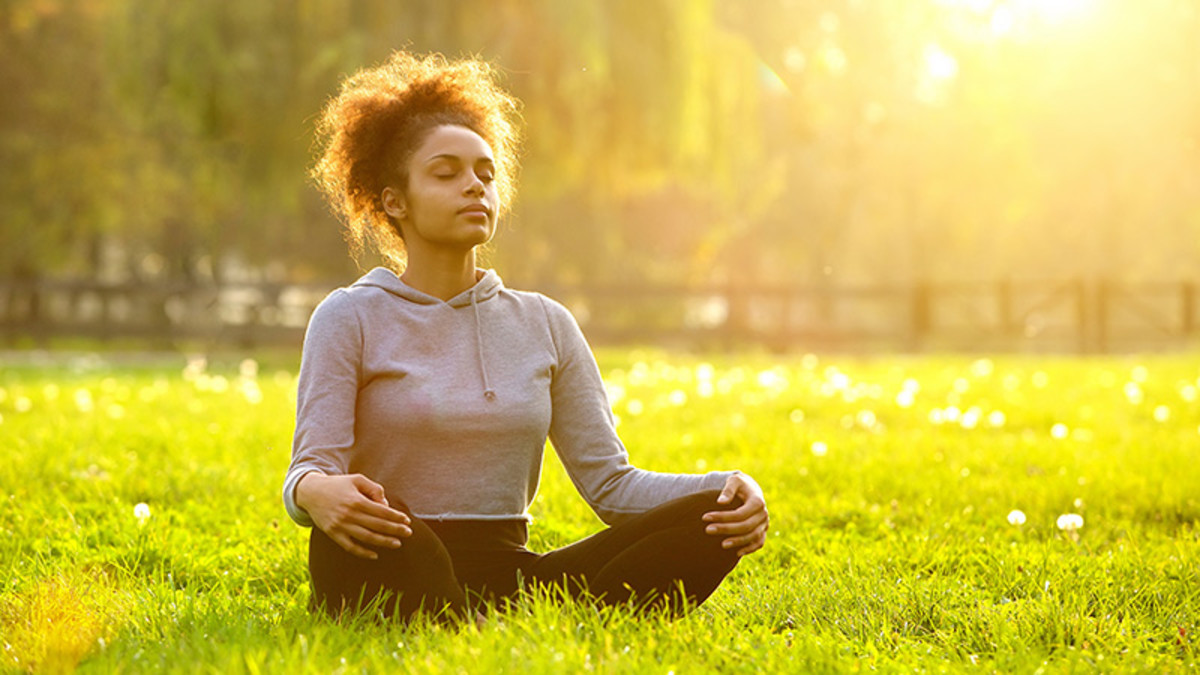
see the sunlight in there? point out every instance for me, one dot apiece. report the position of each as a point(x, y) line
point(1054, 11)
point(1017, 18)
point(1003, 21)
point(939, 69)
point(940, 64)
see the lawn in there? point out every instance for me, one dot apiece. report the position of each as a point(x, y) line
point(928, 513)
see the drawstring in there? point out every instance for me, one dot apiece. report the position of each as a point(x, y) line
point(487, 387)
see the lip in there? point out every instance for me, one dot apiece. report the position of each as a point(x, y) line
point(476, 209)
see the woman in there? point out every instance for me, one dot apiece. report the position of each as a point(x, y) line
point(427, 390)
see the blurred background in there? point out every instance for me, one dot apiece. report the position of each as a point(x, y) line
point(844, 169)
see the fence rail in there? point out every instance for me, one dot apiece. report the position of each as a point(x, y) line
point(1071, 315)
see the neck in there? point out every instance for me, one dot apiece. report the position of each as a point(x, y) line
point(442, 276)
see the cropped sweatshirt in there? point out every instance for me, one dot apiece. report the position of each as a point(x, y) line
point(448, 404)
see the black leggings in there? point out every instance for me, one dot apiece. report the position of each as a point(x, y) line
point(659, 559)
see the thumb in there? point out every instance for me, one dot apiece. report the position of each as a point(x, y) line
point(370, 489)
point(728, 493)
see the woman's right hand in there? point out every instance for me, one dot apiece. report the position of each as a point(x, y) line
point(353, 511)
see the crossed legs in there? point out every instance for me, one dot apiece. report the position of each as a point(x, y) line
point(658, 559)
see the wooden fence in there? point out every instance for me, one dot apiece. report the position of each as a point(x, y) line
point(1057, 316)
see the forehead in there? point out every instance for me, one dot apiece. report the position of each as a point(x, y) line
point(451, 140)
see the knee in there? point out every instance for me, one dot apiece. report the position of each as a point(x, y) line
point(714, 493)
point(689, 510)
point(706, 501)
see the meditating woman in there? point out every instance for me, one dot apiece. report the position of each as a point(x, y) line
point(427, 389)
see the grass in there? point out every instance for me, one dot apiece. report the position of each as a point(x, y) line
point(891, 545)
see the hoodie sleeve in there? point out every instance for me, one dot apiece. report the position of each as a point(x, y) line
point(330, 368)
point(585, 438)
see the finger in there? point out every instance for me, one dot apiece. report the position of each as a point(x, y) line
point(382, 526)
point(384, 512)
point(753, 522)
point(742, 512)
point(353, 547)
point(752, 547)
point(742, 541)
point(369, 537)
point(731, 516)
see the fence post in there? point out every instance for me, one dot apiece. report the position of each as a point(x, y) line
point(1085, 333)
point(784, 328)
point(737, 319)
point(1004, 307)
point(107, 321)
point(1100, 321)
point(921, 318)
point(1188, 314)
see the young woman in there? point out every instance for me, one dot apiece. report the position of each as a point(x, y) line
point(427, 389)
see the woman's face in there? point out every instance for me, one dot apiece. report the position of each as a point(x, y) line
point(451, 199)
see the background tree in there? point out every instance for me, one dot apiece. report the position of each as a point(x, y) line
point(832, 141)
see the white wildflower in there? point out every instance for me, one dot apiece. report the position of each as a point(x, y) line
point(251, 391)
point(248, 368)
point(970, 418)
point(196, 366)
point(982, 368)
point(1070, 522)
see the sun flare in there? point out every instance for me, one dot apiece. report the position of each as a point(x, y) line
point(1007, 18)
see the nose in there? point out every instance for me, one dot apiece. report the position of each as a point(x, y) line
point(474, 185)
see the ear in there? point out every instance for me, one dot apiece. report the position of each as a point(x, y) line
point(393, 203)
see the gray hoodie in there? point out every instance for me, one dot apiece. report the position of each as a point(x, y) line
point(448, 404)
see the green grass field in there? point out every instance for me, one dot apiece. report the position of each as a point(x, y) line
point(142, 528)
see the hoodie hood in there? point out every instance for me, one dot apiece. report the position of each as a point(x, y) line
point(488, 286)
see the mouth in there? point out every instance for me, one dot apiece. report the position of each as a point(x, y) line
point(476, 210)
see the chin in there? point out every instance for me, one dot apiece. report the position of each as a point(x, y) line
point(482, 236)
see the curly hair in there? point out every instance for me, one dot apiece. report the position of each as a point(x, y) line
point(369, 131)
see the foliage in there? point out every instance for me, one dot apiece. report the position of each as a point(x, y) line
point(142, 529)
point(748, 139)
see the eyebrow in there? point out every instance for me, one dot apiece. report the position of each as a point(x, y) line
point(458, 158)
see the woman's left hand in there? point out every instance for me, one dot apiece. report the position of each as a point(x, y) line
point(746, 526)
